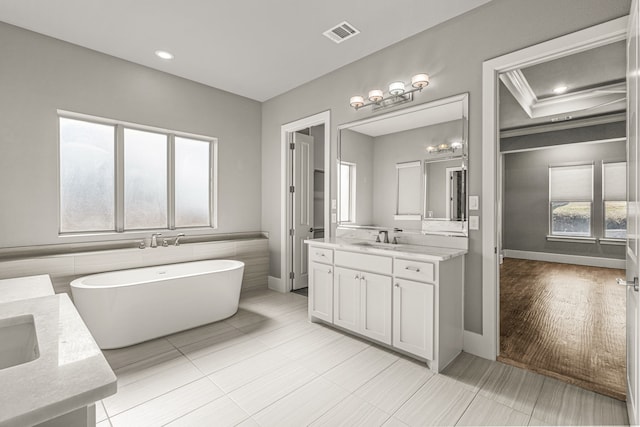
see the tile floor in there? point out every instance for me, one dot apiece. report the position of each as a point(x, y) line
point(269, 366)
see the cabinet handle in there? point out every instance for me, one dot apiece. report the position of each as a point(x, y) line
point(329, 272)
point(357, 277)
point(363, 278)
point(410, 268)
point(397, 285)
point(319, 254)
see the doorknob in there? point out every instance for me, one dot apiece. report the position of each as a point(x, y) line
point(623, 282)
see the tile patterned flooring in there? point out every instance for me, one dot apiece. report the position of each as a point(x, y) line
point(269, 366)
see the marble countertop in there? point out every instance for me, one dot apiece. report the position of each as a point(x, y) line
point(69, 373)
point(25, 287)
point(429, 253)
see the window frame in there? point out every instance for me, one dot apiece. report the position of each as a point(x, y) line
point(119, 229)
point(352, 191)
point(550, 234)
point(604, 200)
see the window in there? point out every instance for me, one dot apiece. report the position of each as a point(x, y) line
point(117, 177)
point(347, 192)
point(614, 196)
point(571, 200)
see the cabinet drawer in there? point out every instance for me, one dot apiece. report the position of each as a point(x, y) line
point(414, 270)
point(320, 255)
point(366, 262)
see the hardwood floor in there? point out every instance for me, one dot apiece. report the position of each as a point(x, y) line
point(565, 321)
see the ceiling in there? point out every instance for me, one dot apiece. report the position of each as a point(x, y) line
point(595, 81)
point(254, 48)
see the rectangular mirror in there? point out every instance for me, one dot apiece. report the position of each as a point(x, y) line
point(406, 169)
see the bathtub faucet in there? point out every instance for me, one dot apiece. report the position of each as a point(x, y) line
point(154, 240)
point(177, 241)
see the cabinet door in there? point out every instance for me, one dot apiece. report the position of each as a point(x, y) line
point(321, 291)
point(346, 298)
point(375, 307)
point(413, 317)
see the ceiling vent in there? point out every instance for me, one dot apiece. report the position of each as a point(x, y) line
point(341, 32)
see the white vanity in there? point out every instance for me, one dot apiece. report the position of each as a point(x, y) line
point(406, 297)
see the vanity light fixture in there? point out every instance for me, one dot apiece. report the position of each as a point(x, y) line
point(163, 54)
point(398, 94)
point(445, 148)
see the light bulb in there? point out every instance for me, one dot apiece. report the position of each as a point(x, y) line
point(420, 80)
point(356, 101)
point(375, 95)
point(396, 88)
point(163, 54)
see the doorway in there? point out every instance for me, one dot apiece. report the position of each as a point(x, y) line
point(305, 202)
point(562, 151)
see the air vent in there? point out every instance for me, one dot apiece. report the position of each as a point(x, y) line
point(341, 32)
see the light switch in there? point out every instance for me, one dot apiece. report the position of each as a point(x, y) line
point(333, 204)
point(473, 203)
point(334, 218)
point(474, 222)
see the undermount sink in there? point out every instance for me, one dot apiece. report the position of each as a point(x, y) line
point(19, 341)
point(378, 245)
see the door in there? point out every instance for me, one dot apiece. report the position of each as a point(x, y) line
point(302, 203)
point(633, 47)
point(321, 291)
point(413, 317)
point(375, 307)
point(346, 298)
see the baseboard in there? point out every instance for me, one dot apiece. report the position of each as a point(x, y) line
point(276, 284)
point(566, 259)
point(476, 344)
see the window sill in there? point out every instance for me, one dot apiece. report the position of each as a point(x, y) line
point(572, 239)
point(612, 242)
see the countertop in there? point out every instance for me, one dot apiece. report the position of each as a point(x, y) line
point(428, 253)
point(25, 287)
point(70, 372)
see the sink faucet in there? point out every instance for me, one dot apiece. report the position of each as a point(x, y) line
point(177, 241)
point(154, 240)
point(386, 236)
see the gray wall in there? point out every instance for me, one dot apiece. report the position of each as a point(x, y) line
point(526, 198)
point(39, 75)
point(452, 53)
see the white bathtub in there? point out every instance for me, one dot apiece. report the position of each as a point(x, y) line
point(127, 307)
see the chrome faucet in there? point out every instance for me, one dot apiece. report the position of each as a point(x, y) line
point(177, 241)
point(154, 240)
point(386, 236)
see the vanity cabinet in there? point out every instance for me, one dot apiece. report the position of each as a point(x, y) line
point(321, 291)
point(362, 303)
point(407, 301)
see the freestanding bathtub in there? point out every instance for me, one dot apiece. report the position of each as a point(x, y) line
point(127, 307)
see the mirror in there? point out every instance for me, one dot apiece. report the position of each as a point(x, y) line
point(406, 169)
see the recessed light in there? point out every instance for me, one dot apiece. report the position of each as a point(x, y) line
point(163, 54)
point(560, 89)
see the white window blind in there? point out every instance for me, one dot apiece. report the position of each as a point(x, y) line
point(409, 184)
point(614, 181)
point(571, 183)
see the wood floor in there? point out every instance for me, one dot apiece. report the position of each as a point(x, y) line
point(564, 321)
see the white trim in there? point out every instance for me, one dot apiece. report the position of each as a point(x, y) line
point(285, 130)
point(546, 147)
point(589, 38)
point(276, 284)
point(566, 259)
point(571, 239)
point(474, 343)
point(519, 87)
point(571, 124)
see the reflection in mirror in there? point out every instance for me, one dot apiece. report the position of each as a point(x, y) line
point(411, 169)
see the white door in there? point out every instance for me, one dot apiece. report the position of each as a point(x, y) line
point(321, 291)
point(633, 402)
point(346, 298)
point(375, 307)
point(413, 317)
point(302, 203)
